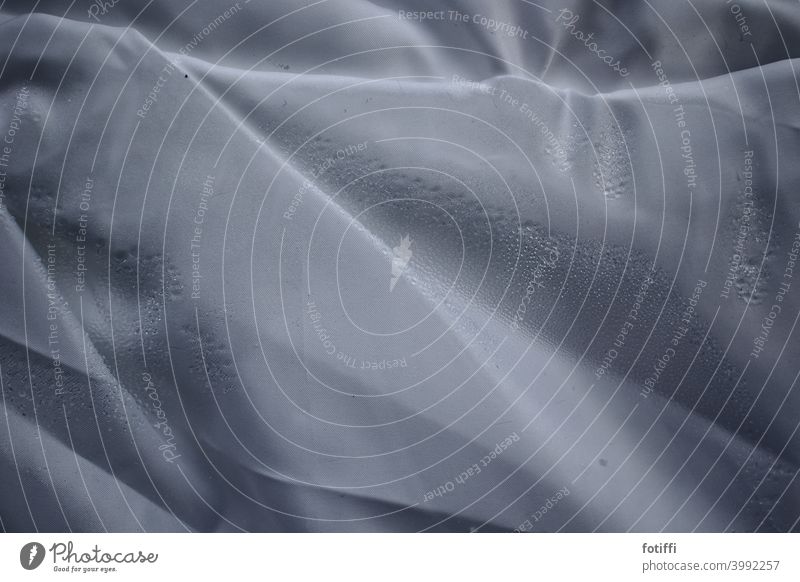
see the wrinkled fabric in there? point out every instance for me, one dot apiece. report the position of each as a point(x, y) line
point(331, 266)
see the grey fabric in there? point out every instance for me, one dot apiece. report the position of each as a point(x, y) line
point(342, 266)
